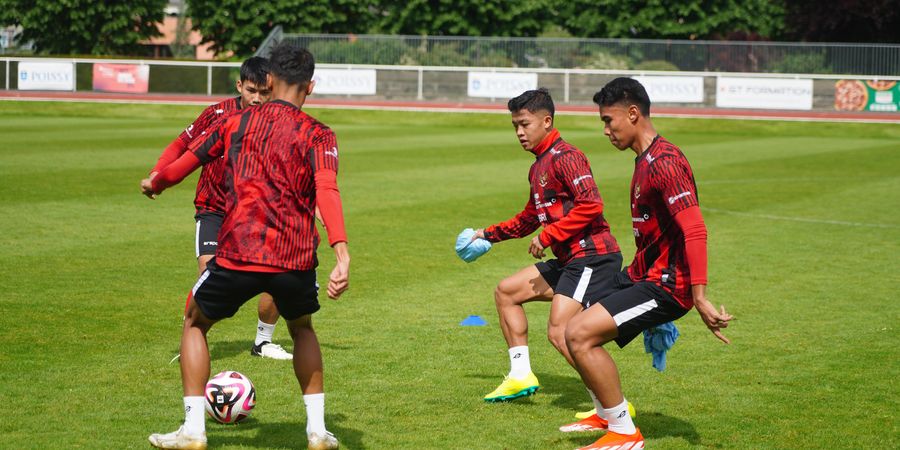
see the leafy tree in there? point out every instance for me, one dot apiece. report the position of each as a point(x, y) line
point(661, 19)
point(844, 21)
point(239, 26)
point(84, 26)
point(462, 18)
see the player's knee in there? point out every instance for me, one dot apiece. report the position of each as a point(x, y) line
point(505, 292)
point(557, 336)
point(576, 338)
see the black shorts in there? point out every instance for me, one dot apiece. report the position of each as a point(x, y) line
point(220, 292)
point(636, 307)
point(585, 279)
point(207, 236)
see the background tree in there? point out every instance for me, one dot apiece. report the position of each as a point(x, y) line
point(239, 26)
point(661, 19)
point(462, 18)
point(84, 26)
point(844, 20)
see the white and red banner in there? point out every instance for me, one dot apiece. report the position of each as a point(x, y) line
point(345, 81)
point(500, 84)
point(46, 76)
point(664, 89)
point(127, 78)
point(764, 93)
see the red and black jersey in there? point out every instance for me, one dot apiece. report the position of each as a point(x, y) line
point(564, 199)
point(662, 186)
point(209, 196)
point(279, 162)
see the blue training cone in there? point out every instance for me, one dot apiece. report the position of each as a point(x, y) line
point(473, 321)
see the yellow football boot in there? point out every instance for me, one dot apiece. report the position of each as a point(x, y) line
point(513, 388)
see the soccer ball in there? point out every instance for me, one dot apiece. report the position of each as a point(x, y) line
point(230, 396)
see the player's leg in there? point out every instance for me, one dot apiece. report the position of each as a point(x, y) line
point(296, 296)
point(526, 285)
point(265, 328)
point(621, 317)
point(218, 294)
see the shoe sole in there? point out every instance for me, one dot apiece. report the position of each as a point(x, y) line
point(523, 393)
point(582, 430)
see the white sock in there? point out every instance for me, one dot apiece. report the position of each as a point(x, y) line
point(597, 404)
point(264, 332)
point(619, 419)
point(194, 415)
point(315, 413)
point(519, 362)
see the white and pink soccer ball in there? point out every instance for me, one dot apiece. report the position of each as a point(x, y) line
point(230, 396)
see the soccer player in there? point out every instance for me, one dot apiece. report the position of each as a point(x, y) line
point(280, 163)
point(209, 201)
point(564, 199)
point(668, 275)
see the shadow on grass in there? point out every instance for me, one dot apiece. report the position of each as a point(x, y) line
point(283, 434)
point(226, 349)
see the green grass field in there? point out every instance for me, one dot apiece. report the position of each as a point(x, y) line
point(804, 225)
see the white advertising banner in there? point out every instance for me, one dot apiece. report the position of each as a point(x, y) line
point(344, 81)
point(673, 89)
point(46, 76)
point(764, 93)
point(500, 85)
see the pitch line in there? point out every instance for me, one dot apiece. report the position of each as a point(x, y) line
point(803, 219)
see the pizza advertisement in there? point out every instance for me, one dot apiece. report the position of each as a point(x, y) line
point(871, 95)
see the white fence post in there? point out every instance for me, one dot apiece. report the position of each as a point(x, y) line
point(566, 84)
point(419, 95)
point(209, 80)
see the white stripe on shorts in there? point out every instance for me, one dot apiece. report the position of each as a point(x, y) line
point(197, 240)
point(203, 277)
point(583, 284)
point(634, 311)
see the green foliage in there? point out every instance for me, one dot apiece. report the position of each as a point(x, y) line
point(660, 19)
point(656, 64)
point(93, 277)
point(462, 18)
point(86, 27)
point(358, 51)
point(237, 26)
point(602, 59)
point(803, 63)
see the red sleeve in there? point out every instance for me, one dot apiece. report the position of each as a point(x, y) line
point(173, 173)
point(691, 223)
point(328, 199)
point(519, 226)
point(181, 143)
point(574, 172)
point(170, 154)
point(578, 218)
point(673, 179)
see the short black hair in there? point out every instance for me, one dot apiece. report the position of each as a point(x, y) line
point(292, 63)
point(533, 101)
point(624, 90)
point(256, 70)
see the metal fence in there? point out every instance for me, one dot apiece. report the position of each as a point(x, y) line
point(612, 54)
point(421, 83)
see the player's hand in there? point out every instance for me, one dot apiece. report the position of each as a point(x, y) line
point(339, 280)
point(536, 249)
point(714, 320)
point(479, 234)
point(147, 187)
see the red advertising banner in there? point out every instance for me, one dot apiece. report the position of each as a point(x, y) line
point(129, 78)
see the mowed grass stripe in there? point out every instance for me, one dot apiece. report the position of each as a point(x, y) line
point(94, 276)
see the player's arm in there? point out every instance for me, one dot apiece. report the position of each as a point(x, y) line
point(180, 144)
point(519, 226)
point(680, 194)
point(574, 172)
point(201, 151)
point(329, 207)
